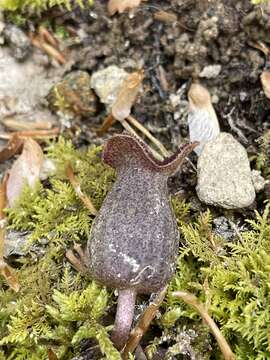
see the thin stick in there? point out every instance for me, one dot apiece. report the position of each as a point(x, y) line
point(146, 132)
point(47, 36)
point(35, 134)
point(192, 300)
point(143, 324)
point(54, 53)
point(133, 132)
point(107, 123)
point(75, 262)
point(21, 125)
point(77, 188)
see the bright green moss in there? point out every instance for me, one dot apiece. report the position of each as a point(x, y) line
point(57, 308)
point(35, 6)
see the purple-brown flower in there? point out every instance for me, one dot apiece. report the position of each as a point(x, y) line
point(133, 244)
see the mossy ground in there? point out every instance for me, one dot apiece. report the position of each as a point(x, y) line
point(57, 308)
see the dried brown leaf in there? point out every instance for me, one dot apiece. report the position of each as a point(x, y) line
point(5, 270)
point(10, 276)
point(25, 169)
point(52, 355)
point(13, 147)
point(122, 5)
point(265, 80)
point(127, 95)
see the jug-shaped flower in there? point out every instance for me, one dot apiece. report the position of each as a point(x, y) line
point(134, 239)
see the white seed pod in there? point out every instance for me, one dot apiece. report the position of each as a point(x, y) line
point(202, 119)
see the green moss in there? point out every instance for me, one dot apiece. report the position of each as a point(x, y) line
point(37, 6)
point(231, 279)
point(57, 308)
point(263, 157)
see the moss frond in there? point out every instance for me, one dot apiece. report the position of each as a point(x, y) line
point(56, 307)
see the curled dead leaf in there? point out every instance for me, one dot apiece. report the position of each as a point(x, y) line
point(5, 270)
point(127, 95)
point(10, 276)
point(122, 5)
point(265, 80)
point(25, 169)
point(13, 147)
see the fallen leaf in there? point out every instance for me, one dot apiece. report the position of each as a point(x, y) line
point(265, 80)
point(127, 95)
point(202, 119)
point(10, 276)
point(52, 355)
point(5, 270)
point(122, 5)
point(13, 146)
point(25, 169)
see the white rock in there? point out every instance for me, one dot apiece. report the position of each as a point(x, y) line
point(258, 180)
point(107, 82)
point(210, 71)
point(224, 175)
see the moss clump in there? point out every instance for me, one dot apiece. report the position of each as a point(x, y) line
point(263, 158)
point(56, 307)
point(231, 279)
point(37, 6)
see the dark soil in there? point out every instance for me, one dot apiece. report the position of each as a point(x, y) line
point(213, 32)
point(206, 33)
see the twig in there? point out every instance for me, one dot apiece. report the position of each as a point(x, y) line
point(133, 132)
point(234, 128)
point(107, 123)
point(47, 36)
point(192, 300)
point(54, 53)
point(35, 134)
point(75, 262)
point(21, 125)
point(155, 141)
point(143, 324)
point(77, 188)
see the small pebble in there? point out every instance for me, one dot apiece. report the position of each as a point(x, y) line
point(210, 71)
point(73, 95)
point(258, 180)
point(18, 41)
point(106, 83)
point(224, 175)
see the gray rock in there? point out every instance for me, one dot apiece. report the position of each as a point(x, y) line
point(224, 175)
point(15, 242)
point(24, 87)
point(19, 42)
point(106, 83)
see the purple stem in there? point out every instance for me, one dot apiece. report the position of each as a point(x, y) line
point(124, 317)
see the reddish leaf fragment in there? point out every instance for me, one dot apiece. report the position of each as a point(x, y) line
point(10, 276)
point(122, 5)
point(25, 169)
point(13, 147)
point(127, 95)
point(5, 270)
